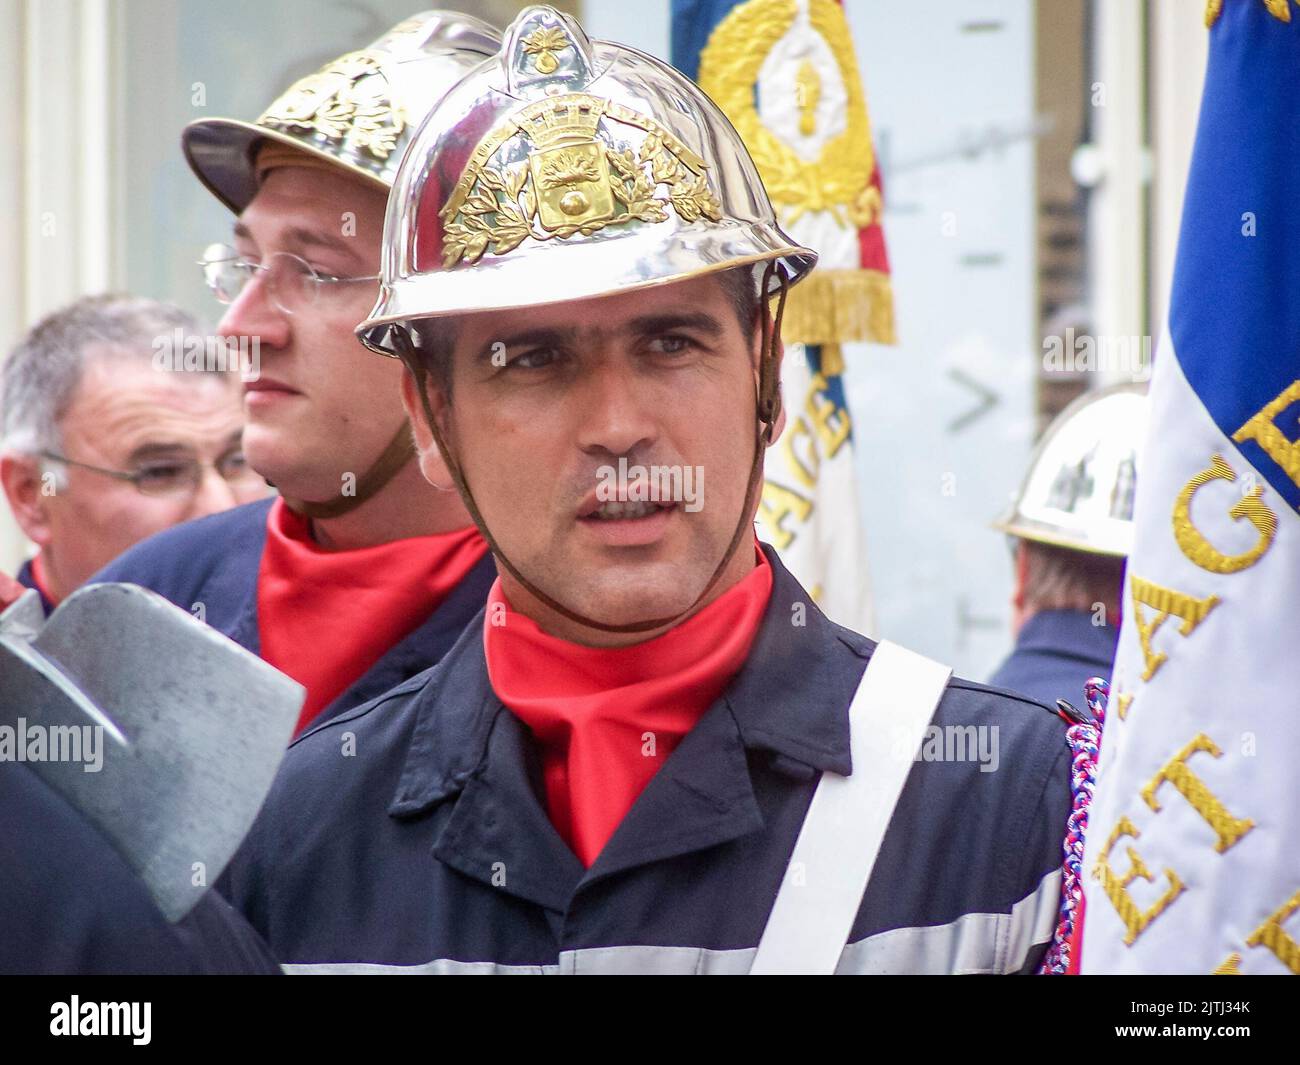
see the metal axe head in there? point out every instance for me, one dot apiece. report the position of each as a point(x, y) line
point(160, 730)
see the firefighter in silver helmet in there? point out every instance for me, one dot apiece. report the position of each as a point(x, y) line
point(1071, 524)
point(584, 278)
point(356, 529)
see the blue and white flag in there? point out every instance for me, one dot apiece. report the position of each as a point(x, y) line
point(1192, 862)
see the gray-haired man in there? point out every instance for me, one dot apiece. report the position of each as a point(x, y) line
point(109, 433)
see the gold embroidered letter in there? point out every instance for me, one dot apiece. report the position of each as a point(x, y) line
point(1229, 829)
point(1271, 934)
point(776, 503)
point(1164, 601)
point(1196, 547)
point(1262, 429)
point(830, 421)
point(1116, 887)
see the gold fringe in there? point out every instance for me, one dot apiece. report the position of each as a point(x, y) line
point(832, 360)
point(837, 306)
point(1279, 9)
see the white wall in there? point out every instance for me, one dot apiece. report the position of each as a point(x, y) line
point(93, 97)
point(59, 119)
point(12, 272)
point(961, 232)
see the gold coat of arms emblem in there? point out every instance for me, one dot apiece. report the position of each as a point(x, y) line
point(572, 176)
point(348, 96)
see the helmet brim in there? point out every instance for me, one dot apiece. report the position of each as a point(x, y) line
point(1117, 545)
point(610, 267)
point(222, 152)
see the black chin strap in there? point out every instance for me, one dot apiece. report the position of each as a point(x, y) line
point(768, 409)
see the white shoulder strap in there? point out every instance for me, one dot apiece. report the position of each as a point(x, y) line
point(845, 825)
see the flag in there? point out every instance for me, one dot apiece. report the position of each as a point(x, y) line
point(786, 75)
point(1191, 863)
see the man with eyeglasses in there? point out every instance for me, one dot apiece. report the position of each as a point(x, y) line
point(100, 448)
point(356, 533)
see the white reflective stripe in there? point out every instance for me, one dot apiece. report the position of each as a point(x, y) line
point(992, 943)
point(973, 943)
point(437, 967)
point(846, 822)
point(656, 961)
point(1033, 920)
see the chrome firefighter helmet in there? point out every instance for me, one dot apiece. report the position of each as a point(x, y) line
point(1079, 490)
point(566, 169)
point(359, 111)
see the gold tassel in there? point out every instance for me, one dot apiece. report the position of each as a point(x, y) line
point(838, 306)
point(1279, 9)
point(832, 360)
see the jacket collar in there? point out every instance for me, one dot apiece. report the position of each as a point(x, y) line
point(1071, 634)
point(27, 579)
point(427, 642)
point(790, 698)
point(237, 571)
point(792, 695)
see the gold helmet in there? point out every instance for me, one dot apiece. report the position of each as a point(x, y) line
point(568, 169)
point(1078, 492)
point(358, 111)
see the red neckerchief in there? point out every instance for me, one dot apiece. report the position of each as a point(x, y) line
point(325, 617)
point(606, 718)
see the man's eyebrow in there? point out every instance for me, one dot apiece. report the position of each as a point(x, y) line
point(651, 324)
point(313, 238)
point(537, 337)
point(302, 238)
point(159, 450)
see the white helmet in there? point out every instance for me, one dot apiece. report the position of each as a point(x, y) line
point(1078, 492)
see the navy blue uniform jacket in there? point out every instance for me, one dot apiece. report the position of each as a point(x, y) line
point(27, 580)
point(215, 560)
point(408, 834)
point(70, 904)
point(1056, 651)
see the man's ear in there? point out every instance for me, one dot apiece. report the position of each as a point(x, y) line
point(431, 464)
point(20, 476)
point(779, 428)
point(756, 356)
point(1020, 587)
